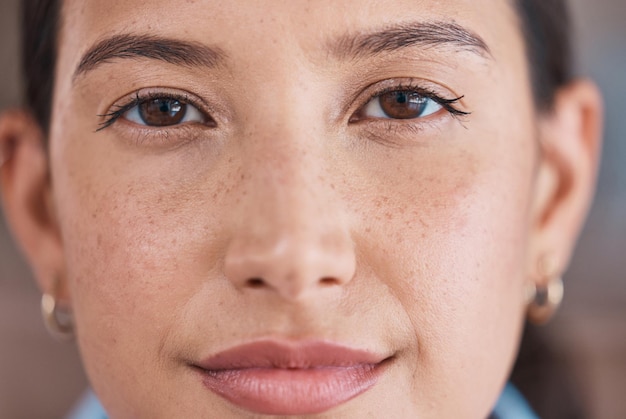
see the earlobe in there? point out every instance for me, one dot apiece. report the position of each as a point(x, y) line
point(26, 196)
point(570, 144)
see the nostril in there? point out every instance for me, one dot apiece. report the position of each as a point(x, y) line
point(329, 280)
point(255, 283)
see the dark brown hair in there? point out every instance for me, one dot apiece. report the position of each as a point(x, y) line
point(40, 24)
point(545, 26)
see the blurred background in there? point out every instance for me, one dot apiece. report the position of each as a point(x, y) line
point(41, 378)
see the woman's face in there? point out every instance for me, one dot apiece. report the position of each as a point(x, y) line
point(299, 178)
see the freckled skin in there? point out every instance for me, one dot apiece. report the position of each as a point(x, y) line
point(425, 232)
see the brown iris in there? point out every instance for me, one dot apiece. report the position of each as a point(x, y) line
point(162, 112)
point(403, 104)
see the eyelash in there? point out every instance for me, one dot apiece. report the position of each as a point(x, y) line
point(140, 98)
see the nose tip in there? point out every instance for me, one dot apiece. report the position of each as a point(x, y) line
point(290, 265)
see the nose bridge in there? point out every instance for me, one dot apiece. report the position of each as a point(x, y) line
point(286, 185)
point(291, 234)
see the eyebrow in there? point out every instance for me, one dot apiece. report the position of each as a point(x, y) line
point(127, 46)
point(408, 35)
point(194, 54)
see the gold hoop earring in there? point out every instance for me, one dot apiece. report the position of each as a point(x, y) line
point(545, 297)
point(57, 321)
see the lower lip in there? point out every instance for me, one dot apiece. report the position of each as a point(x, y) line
point(283, 391)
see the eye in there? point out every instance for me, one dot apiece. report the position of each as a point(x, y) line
point(163, 112)
point(400, 104)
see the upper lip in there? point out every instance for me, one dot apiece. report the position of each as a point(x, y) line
point(289, 355)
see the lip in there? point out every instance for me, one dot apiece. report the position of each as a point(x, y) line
point(282, 378)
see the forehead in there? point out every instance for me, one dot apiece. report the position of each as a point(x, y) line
point(251, 28)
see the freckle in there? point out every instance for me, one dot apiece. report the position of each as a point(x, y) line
point(99, 240)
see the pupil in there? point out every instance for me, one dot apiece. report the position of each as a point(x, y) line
point(401, 97)
point(171, 107)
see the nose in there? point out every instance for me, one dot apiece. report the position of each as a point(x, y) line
point(291, 234)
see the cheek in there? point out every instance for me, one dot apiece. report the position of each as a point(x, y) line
point(138, 249)
point(135, 244)
point(140, 241)
point(449, 237)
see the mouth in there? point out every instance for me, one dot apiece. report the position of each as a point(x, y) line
point(276, 378)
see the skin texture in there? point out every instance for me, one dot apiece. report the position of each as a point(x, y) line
point(411, 238)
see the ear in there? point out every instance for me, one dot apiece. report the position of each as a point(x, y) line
point(27, 199)
point(570, 142)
